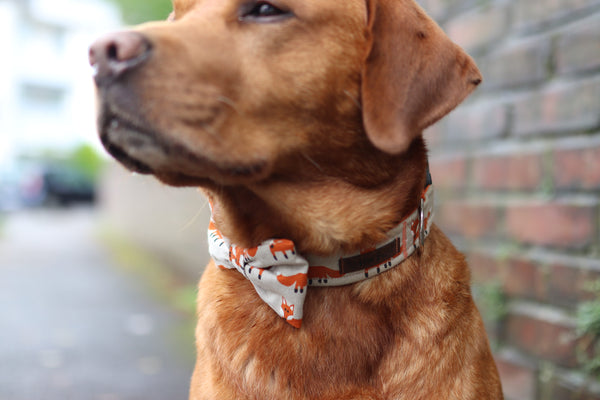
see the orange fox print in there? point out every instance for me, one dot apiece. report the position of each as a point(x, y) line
point(282, 246)
point(322, 274)
point(212, 226)
point(260, 271)
point(288, 313)
point(299, 281)
point(251, 252)
point(236, 254)
point(288, 310)
point(414, 227)
point(214, 232)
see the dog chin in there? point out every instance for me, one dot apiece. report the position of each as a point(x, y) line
point(142, 151)
point(128, 144)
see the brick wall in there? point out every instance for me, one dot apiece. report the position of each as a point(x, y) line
point(517, 169)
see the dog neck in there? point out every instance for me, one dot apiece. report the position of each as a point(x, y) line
point(323, 209)
point(277, 270)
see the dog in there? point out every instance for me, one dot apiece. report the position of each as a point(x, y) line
point(302, 123)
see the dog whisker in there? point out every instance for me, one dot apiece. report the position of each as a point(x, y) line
point(194, 218)
point(354, 99)
point(209, 129)
point(313, 162)
point(229, 102)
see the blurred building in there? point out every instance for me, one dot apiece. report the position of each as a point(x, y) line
point(46, 91)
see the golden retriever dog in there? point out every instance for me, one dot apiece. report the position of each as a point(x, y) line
point(302, 122)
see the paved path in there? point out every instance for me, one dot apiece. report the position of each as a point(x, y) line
point(73, 326)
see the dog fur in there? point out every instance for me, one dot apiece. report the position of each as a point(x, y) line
point(306, 125)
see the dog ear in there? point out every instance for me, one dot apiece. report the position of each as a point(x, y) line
point(413, 75)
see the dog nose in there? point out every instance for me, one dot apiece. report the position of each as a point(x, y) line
point(116, 53)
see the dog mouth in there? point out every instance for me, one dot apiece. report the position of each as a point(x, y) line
point(117, 151)
point(128, 142)
point(144, 151)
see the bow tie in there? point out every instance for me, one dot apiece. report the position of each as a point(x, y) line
point(281, 276)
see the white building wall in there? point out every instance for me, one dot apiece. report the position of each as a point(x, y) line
point(8, 42)
point(46, 88)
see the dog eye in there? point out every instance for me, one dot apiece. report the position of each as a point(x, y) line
point(263, 10)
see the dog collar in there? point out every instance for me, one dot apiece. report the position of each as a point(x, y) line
point(281, 276)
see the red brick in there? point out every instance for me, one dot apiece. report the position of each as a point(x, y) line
point(468, 220)
point(561, 225)
point(484, 268)
point(519, 380)
point(567, 285)
point(519, 171)
point(523, 63)
point(565, 107)
point(569, 392)
point(479, 27)
point(449, 173)
point(539, 14)
point(578, 49)
point(520, 277)
point(578, 168)
point(484, 120)
point(524, 279)
point(564, 385)
point(544, 333)
point(436, 8)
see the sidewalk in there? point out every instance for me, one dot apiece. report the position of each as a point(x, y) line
point(74, 326)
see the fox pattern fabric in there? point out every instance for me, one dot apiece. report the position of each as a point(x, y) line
point(281, 276)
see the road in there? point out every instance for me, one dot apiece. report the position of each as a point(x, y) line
point(75, 326)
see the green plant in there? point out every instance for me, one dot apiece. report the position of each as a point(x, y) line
point(588, 331)
point(138, 11)
point(492, 301)
point(82, 160)
point(86, 160)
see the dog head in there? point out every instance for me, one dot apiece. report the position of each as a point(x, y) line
point(227, 92)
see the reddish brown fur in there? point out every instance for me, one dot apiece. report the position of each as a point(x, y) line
point(309, 129)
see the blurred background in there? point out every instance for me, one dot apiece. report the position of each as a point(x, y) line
point(517, 169)
point(98, 268)
point(88, 307)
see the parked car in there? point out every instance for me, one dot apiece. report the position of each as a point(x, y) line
point(55, 184)
point(65, 186)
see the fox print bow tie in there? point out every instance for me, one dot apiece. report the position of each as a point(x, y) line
point(281, 276)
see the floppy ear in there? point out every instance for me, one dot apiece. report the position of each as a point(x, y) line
point(413, 76)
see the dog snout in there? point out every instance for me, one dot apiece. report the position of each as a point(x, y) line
point(117, 53)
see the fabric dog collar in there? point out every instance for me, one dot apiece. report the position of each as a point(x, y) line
point(280, 275)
